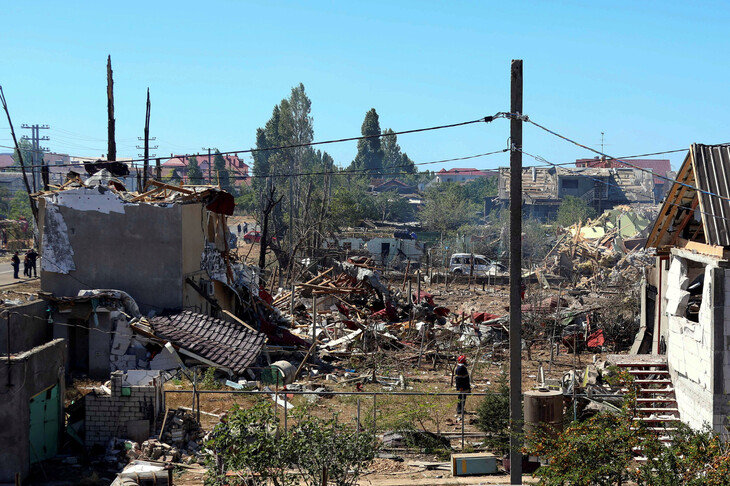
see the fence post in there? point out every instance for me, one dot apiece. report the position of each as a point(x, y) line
point(358, 415)
point(463, 406)
point(375, 413)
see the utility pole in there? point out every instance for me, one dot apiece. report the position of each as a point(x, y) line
point(210, 164)
point(36, 152)
point(515, 273)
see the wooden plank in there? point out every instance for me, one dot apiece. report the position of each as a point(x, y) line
point(685, 221)
point(179, 189)
point(705, 249)
point(664, 220)
point(235, 318)
point(145, 195)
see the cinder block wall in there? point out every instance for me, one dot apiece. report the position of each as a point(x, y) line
point(690, 359)
point(107, 416)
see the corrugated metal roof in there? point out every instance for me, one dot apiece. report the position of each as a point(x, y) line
point(711, 164)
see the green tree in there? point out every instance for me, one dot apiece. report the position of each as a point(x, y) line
point(172, 178)
point(446, 209)
point(20, 206)
point(5, 199)
point(391, 206)
point(26, 149)
point(479, 189)
point(395, 162)
point(370, 154)
point(246, 200)
point(224, 176)
point(350, 205)
point(493, 416)
point(574, 209)
point(195, 175)
point(245, 442)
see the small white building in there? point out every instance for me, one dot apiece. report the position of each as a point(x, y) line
point(386, 250)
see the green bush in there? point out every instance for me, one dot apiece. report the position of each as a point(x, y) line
point(493, 416)
point(250, 442)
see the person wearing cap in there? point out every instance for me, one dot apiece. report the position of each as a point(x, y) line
point(463, 384)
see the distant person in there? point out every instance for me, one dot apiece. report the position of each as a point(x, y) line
point(245, 228)
point(26, 266)
point(33, 258)
point(463, 384)
point(15, 261)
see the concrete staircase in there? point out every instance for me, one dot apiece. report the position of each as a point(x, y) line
point(656, 402)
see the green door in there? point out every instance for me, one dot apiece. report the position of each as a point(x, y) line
point(44, 413)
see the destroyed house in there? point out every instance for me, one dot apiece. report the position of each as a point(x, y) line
point(544, 188)
point(686, 296)
point(166, 253)
point(111, 257)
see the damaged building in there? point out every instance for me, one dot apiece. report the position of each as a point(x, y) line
point(686, 298)
point(118, 265)
point(544, 188)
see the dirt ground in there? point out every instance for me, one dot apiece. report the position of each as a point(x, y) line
point(486, 365)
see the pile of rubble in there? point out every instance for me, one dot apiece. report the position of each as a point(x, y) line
point(601, 251)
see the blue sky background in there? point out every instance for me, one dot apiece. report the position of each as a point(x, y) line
point(652, 75)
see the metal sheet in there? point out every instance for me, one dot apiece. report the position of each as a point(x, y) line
point(711, 164)
point(44, 425)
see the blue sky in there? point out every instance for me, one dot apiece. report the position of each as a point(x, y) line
point(651, 75)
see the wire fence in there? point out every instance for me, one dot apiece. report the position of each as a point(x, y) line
point(375, 411)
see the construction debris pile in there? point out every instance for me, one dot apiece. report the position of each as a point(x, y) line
point(598, 253)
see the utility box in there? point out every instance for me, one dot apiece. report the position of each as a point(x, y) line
point(473, 464)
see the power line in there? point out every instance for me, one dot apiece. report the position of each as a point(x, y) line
point(608, 157)
point(486, 119)
point(609, 184)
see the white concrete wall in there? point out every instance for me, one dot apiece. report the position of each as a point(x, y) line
point(690, 354)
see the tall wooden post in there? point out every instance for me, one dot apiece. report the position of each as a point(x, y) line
point(112, 144)
point(515, 277)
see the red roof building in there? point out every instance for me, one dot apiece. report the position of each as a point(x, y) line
point(6, 160)
point(237, 168)
point(462, 175)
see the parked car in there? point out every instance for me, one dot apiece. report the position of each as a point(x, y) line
point(461, 264)
point(254, 236)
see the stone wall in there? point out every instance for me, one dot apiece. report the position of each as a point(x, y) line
point(129, 412)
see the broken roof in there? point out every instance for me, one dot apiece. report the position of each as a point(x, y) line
point(227, 344)
point(707, 168)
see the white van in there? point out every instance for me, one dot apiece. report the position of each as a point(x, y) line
point(461, 264)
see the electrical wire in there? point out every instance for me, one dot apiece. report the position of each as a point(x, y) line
point(609, 184)
point(485, 119)
point(608, 157)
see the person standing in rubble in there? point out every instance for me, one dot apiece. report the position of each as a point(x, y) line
point(32, 256)
point(15, 261)
point(26, 266)
point(463, 384)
